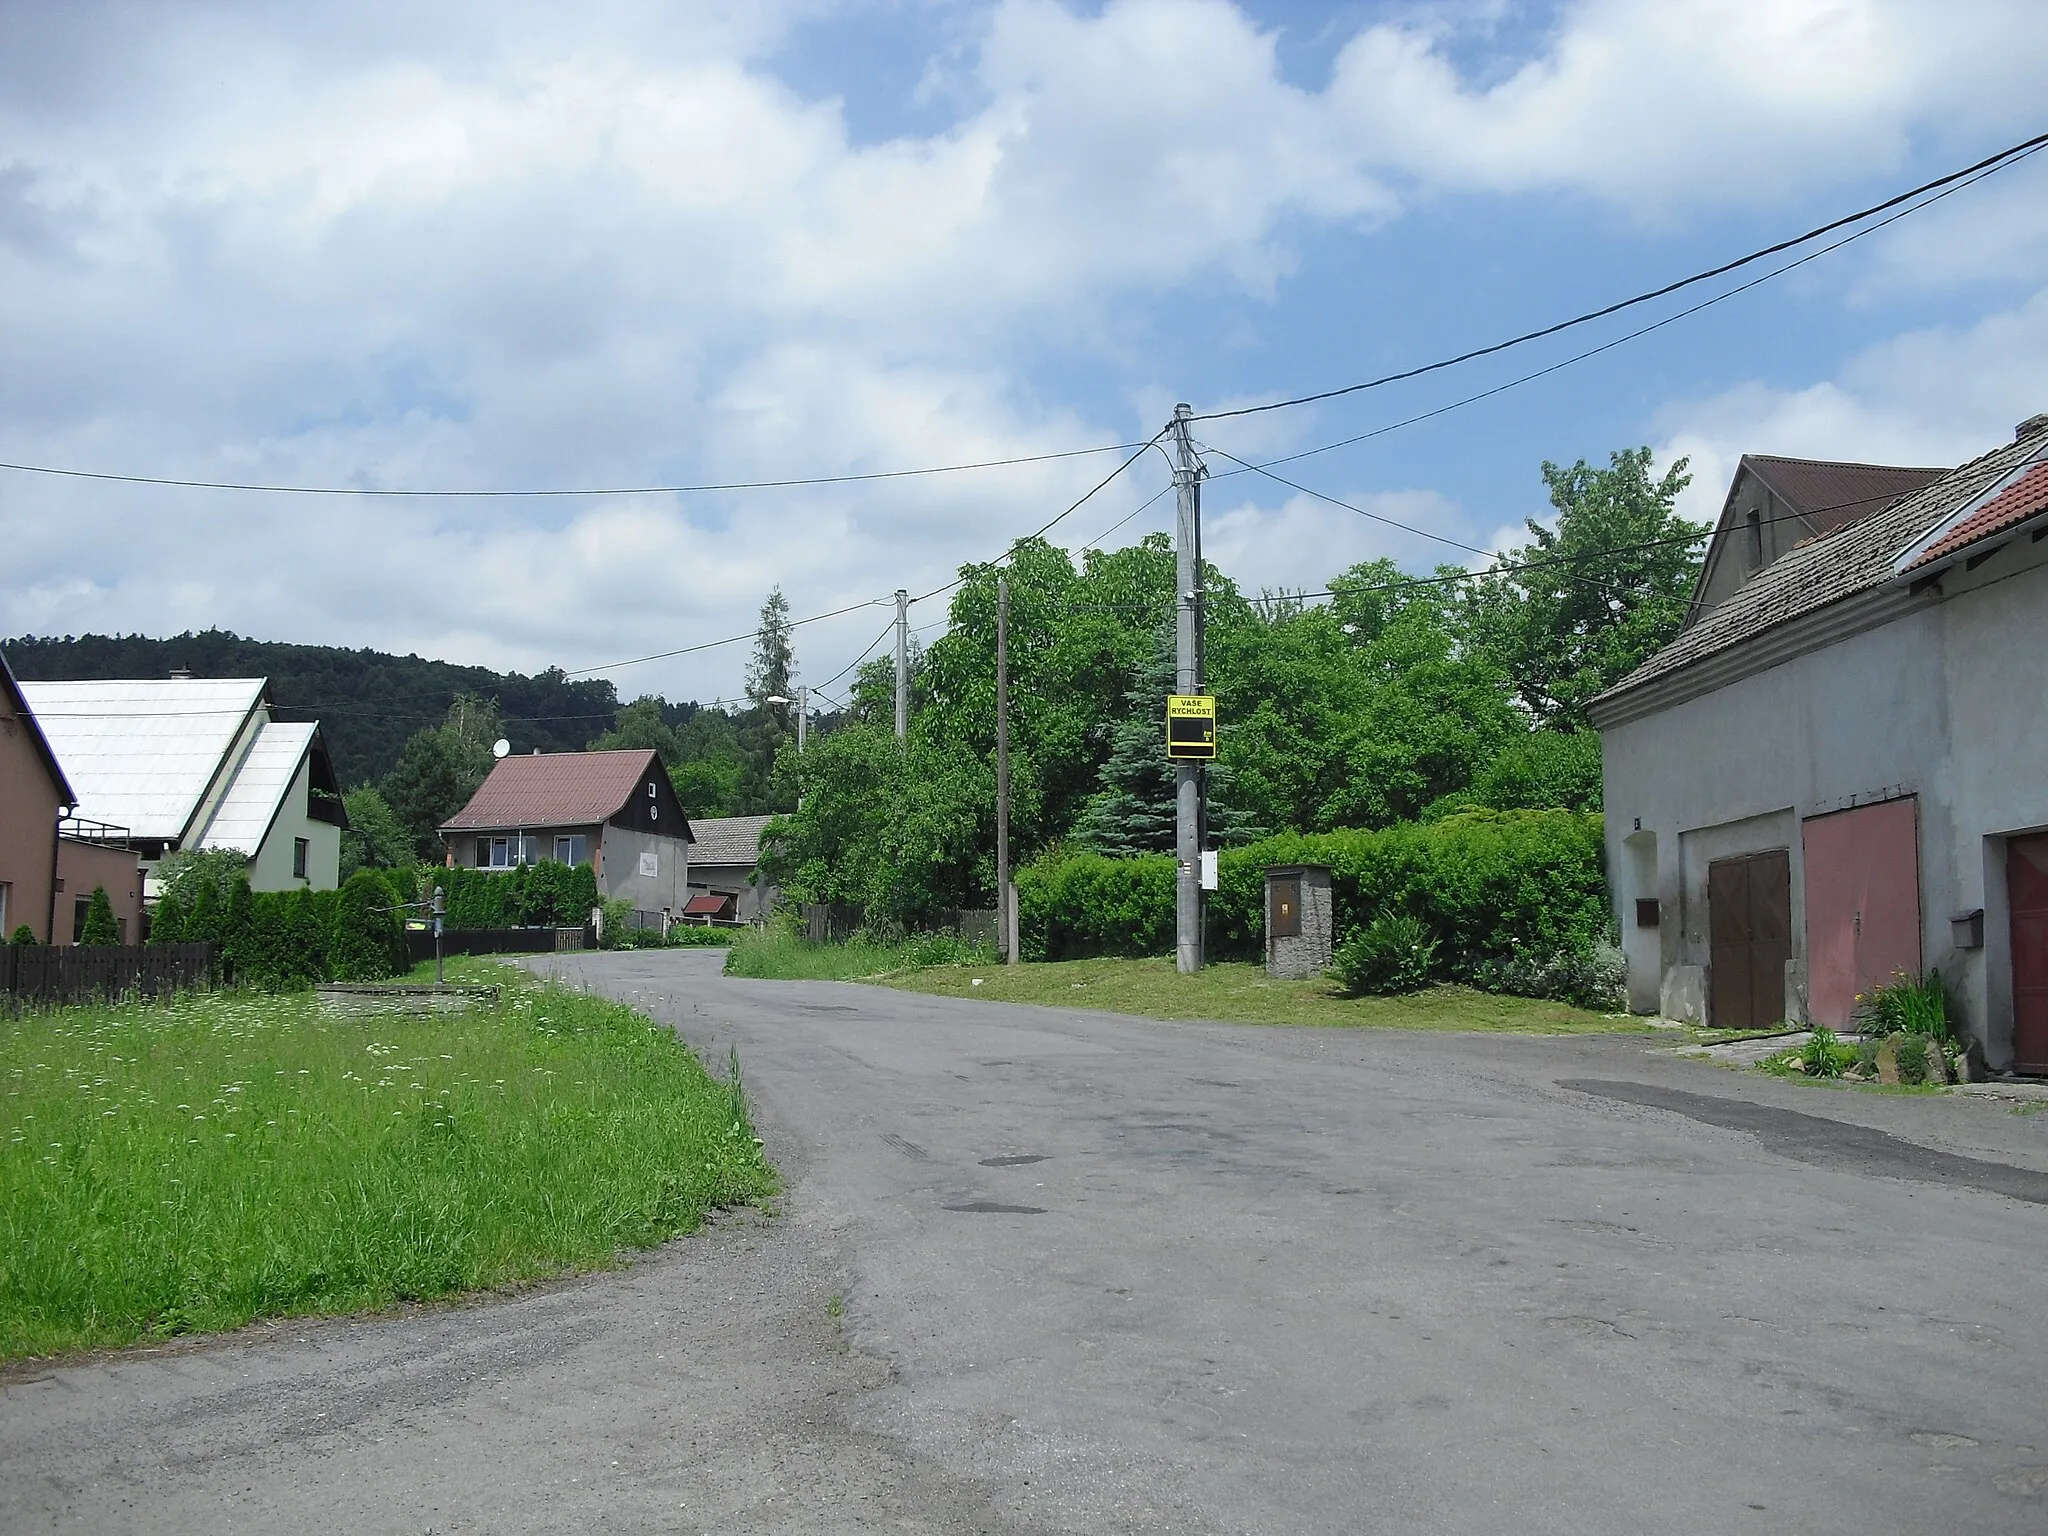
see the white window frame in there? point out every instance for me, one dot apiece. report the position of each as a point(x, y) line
point(572, 849)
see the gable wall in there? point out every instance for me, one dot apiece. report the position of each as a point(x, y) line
point(271, 869)
point(28, 825)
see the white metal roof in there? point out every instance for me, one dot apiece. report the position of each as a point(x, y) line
point(251, 803)
point(141, 754)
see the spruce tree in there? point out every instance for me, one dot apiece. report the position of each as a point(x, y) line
point(1134, 811)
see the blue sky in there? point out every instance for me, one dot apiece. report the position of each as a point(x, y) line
point(477, 245)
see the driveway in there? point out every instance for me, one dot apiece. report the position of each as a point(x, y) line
point(1049, 1270)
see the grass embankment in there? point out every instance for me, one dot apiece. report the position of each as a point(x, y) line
point(1243, 994)
point(777, 955)
point(189, 1167)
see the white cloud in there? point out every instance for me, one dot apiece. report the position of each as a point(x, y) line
point(1930, 397)
point(480, 245)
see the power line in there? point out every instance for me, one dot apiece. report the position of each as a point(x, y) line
point(619, 490)
point(2000, 161)
point(1607, 346)
point(712, 645)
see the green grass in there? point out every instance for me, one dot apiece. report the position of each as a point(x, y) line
point(775, 954)
point(192, 1166)
point(1243, 994)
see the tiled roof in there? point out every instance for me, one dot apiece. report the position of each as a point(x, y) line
point(143, 753)
point(1832, 493)
point(266, 773)
point(727, 839)
point(2012, 506)
point(552, 789)
point(706, 906)
point(1854, 558)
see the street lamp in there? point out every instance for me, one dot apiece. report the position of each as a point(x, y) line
point(802, 701)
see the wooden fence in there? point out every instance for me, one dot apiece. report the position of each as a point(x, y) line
point(48, 975)
point(419, 944)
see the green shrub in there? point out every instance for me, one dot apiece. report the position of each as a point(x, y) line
point(1866, 1055)
point(167, 923)
point(1907, 1007)
point(368, 937)
point(1514, 900)
point(24, 936)
point(100, 927)
point(1912, 1058)
point(690, 936)
point(1391, 954)
point(1823, 1055)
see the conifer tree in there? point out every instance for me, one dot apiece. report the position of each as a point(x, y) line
point(100, 927)
point(167, 924)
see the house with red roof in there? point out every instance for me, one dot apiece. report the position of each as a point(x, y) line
point(615, 811)
point(1838, 770)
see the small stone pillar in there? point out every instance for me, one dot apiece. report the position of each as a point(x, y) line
point(1298, 921)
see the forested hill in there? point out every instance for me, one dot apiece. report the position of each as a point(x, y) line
point(367, 702)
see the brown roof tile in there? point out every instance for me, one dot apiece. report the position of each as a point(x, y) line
point(1833, 494)
point(552, 789)
point(2019, 501)
point(1854, 558)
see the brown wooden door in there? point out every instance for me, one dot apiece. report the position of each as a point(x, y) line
point(2026, 889)
point(1749, 923)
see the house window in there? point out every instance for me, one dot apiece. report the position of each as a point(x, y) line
point(79, 909)
point(6, 890)
point(572, 850)
point(483, 853)
point(300, 848)
point(506, 852)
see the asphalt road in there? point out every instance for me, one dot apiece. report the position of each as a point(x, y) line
point(1048, 1270)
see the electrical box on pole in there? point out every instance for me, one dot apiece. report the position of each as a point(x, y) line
point(1187, 648)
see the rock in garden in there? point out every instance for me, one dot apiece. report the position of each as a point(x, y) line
point(1888, 1058)
point(1937, 1064)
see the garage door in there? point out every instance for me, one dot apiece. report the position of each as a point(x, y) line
point(2026, 888)
point(1749, 924)
point(1862, 904)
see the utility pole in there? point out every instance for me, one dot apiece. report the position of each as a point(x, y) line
point(1005, 931)
point(902, 663)
point(1187, 647)
point(803, 715)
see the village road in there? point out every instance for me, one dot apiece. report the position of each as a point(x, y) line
point(1052, 1270)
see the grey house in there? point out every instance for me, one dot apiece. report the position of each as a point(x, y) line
point(1838, 770)
point(615, 811)
point(725, 861)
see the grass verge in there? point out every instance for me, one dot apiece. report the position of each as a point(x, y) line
point(189, 1167)
point(1243, 994)
point(775, 954)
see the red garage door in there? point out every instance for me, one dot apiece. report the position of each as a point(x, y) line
point(1862, 904)
point(2026, 888)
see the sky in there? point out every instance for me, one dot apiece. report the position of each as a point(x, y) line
point(519, 246)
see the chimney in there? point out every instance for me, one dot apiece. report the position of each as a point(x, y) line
point(181, 674)
point(2030, 426)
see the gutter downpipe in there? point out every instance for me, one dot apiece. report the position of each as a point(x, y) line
point(50, 930)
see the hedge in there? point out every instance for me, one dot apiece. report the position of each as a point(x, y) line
point(1484, 884)
point(543, 895)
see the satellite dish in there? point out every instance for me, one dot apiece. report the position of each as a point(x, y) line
point(500, 747)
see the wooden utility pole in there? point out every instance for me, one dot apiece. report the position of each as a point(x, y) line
point(1187, 637)
point(1005, 917)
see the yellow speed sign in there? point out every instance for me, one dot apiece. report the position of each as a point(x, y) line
point(1190, 726)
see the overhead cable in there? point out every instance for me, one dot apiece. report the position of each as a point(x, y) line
point(1990, 164)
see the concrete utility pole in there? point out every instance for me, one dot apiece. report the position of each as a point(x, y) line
point(1005, 940)
point(1187, 647)
point(803, 715)
point(902, 663)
